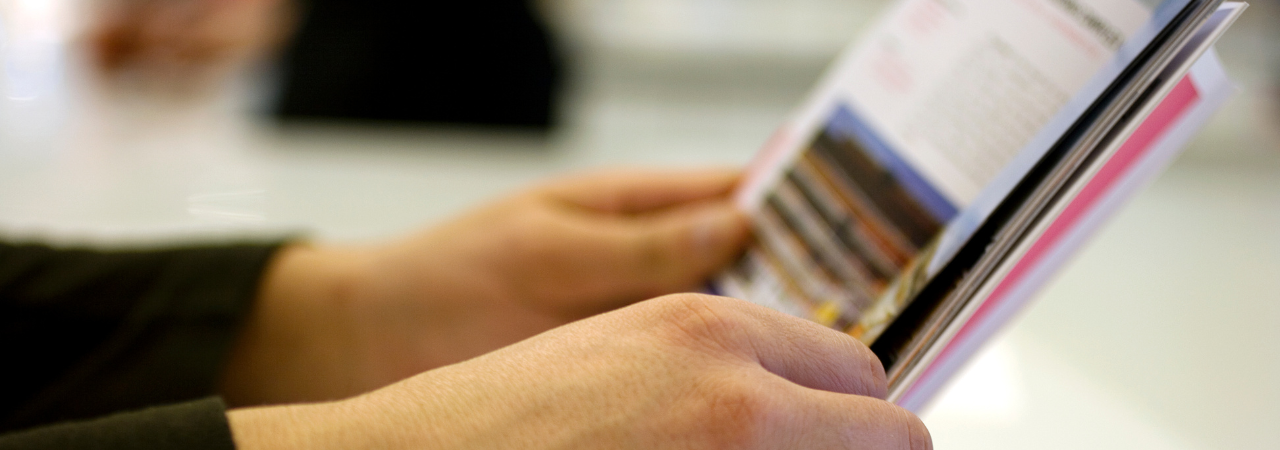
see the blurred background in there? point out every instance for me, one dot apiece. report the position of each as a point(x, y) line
point(143, 122)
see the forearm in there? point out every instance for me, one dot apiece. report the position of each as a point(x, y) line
point(347, 424)
point(310, 427)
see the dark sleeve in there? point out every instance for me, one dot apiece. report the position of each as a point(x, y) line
point(88, 333)
point(197, 425)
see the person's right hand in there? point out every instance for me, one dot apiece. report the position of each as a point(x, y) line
point(684, 371)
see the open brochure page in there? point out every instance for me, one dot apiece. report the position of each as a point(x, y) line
point(1194, 86)
point(903, 136)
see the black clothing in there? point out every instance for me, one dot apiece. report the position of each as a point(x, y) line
point(88, 333)
point(199, 425)
point(486, 62)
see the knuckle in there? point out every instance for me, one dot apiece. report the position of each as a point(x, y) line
point(698, 316)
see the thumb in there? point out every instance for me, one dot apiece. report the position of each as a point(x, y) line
point(677, 250)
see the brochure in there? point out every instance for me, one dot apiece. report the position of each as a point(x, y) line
point(953, 158)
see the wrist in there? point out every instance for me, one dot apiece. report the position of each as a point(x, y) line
point(296, 343)
point(317, 426)
point(382, 420)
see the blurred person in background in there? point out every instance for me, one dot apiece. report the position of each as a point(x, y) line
point(515, 326)
point(488, 62)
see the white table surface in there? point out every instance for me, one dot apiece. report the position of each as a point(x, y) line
point(1161, 334)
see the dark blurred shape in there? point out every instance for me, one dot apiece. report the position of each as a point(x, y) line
point(488, 62)
point(85, 333)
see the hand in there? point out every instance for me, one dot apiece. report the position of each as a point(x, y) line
point(681, 372)
point(335, 322)
point(186, 42)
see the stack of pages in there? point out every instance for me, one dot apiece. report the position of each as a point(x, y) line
point(954, 158)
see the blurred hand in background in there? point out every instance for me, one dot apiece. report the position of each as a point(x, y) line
point(185, 44)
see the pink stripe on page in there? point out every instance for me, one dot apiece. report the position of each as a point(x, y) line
point(1181, 99)
point(1178, 101)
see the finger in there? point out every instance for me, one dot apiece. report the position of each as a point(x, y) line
point(814, 356)
point(635, 191)
point(797, 350)
point(830, 420)
point(676, 250)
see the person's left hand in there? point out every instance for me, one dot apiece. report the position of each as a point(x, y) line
point(334, 322)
